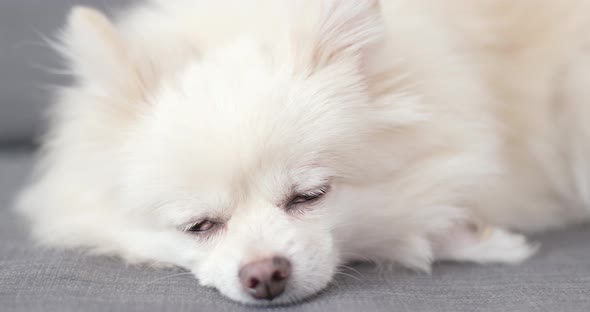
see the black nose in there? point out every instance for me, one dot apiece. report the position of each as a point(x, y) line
point(266, 278)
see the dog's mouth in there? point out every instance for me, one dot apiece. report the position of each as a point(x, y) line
point(293, 294)
point(262, 294)
point(288, 298)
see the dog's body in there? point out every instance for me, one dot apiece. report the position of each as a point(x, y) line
point(319, 131)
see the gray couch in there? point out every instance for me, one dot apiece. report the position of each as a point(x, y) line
point(36, 279)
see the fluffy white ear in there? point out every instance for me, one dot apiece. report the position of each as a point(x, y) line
point(343, 30)
point(97, 53)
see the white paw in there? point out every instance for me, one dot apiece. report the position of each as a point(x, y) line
point(499, 245)
point(485, 245)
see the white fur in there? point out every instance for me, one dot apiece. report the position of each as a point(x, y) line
point(427, 117)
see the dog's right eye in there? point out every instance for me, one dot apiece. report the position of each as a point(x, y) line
point(204, 229)
point(203, 226)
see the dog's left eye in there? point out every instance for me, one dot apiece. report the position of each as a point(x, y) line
point(308, 197)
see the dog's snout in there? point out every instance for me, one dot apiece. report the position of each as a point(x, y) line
point(266, 278)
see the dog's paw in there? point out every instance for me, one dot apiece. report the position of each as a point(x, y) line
point(482, 245)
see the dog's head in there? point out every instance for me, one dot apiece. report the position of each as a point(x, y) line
point(232, 163)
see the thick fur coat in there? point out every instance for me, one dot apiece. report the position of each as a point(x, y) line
point(211, 134)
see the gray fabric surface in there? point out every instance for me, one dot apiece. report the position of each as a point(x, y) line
point(27, 63)
point(33, 279)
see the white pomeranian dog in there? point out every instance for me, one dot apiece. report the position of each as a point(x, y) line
point(261, 144)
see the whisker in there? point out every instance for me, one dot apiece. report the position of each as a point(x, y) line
point(168, 276)
point(352, 269)
point(349, 275)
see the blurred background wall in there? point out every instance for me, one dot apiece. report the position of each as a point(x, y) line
point(27, 62)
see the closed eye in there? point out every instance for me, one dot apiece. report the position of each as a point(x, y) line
point(307, 198)
point(203, 226)
point(204, 229)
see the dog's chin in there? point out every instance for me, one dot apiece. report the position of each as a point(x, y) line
point(294, 294)
point(290, 297)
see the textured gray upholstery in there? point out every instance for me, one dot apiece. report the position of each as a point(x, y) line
point(36, 279)
point(33, 279)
